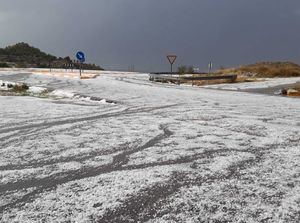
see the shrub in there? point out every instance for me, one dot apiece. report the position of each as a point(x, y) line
point(4, 65)
point(22, 87)
point(185, 69)
point(9, 86)
point(190, 70)
point(182, 70)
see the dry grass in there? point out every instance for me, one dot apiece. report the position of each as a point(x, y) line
point(208, 82)
point(265, 69)
point(294, 94)
point(297, 87)
point(293, 91)
point(241, 79)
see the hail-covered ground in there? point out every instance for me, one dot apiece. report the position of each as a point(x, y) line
point(119, 148)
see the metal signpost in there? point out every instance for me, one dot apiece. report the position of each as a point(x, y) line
point(210, 66)
point(172, 59)
point(81, 58)
point(196, 70)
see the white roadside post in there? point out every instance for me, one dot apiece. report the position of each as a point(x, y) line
point(195, 69)
point(210, 66)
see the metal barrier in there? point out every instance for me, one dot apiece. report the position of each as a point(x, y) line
point(165, 77)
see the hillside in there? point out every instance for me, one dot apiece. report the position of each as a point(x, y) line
point(23, 55)
point(265, 69)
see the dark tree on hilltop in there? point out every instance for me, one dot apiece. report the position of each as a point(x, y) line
point(24, 55)
point(25, 50)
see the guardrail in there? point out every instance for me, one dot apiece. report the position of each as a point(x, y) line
point(165, 77)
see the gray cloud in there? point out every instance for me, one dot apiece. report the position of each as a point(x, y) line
point(119, 33)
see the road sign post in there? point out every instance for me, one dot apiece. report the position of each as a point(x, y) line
point(171, 59)
point(210, 66)
point(81, 58)
point(195, 70)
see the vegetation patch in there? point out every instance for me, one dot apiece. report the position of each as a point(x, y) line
point(292, 92)
point(20, 87)
point(4, 65)
point(13, 89)
point(265, 69)
point(210, 82)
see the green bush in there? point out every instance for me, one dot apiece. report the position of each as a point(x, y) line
point(185, 69)
point(182, 70)
point(4, 65)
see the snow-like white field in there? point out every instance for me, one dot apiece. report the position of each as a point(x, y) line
point(119, 148)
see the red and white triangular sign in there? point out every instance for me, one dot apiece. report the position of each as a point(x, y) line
point(172, 58)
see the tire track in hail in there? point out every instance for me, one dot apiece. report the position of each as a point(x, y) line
point(25, 134)
point(144, 205)
point(126, 111)
point(51, 183)
point(72, 158)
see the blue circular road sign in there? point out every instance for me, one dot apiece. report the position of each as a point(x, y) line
point(80, 56)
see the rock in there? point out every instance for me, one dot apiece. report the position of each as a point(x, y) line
point(284, 92)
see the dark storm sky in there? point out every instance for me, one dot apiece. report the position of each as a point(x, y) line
point(120, 33)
